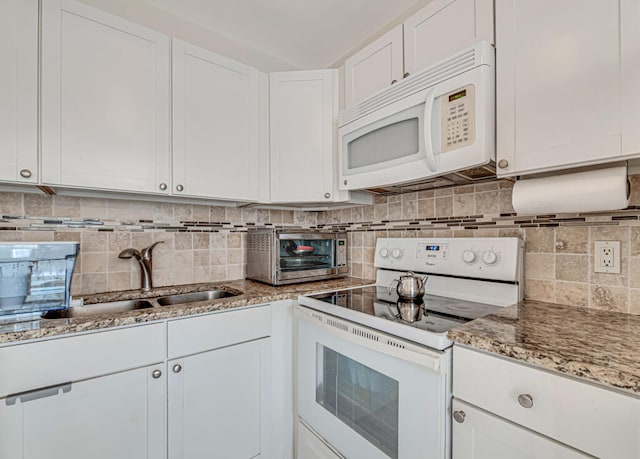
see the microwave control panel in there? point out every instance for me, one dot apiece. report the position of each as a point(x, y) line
point(341, 253)
point(457, 118)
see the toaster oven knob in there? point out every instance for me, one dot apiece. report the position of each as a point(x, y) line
point(489, 258)
point(469, 256)
point(396, 253)
point(384, 253)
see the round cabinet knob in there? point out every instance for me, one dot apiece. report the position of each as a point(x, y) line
point(406, 75)
point(489, 258)
point(396, 253)
point(25, 173)
point(525, 400)
point(327, 195)
point(156, 374)
point(384, 253)
point(179, 188)
point(459, 416)
point(177, 368)
point(394, 81)
point(346, 182)
point(469, 256)
point(163, 186)
point(503, 164)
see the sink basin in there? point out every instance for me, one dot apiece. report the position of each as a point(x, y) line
point(194, 297)
point(95, 309)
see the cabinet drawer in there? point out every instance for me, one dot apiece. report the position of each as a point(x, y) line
point(203, 333)
point(25, 367)
point(593, 419)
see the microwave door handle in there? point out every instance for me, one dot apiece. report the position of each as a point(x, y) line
point(426, 131)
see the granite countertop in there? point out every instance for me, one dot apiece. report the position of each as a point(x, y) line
point(248, 293)
point(600, 346)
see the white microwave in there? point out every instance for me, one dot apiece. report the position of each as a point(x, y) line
point(438, 122)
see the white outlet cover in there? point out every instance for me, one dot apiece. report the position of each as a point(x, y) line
point(602, 263)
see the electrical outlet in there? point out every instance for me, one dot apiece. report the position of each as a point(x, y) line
point(606, 257)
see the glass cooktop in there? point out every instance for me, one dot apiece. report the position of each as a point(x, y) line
point(433, 313)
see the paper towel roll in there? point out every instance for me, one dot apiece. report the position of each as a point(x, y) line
point(590, 191)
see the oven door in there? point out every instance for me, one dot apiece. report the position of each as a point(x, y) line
point(369, 394)
point(309, 255)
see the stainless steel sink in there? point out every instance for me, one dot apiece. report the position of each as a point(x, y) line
point(100, 308)
point(194, 297)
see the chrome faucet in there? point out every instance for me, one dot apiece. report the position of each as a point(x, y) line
point(144, 258)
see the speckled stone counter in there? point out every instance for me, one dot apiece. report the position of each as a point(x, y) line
point(248, 293)
point(597, 345)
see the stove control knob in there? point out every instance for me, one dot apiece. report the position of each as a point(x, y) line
point(489, 258)
point(469, 256)
point(384, 253)
point(396, 253)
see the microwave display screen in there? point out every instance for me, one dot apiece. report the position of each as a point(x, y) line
point(458, 95)
point(431, 248)
point(387, 143)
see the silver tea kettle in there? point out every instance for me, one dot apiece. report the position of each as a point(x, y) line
point(409, 285)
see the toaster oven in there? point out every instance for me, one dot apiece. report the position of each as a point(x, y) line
point(284, 256)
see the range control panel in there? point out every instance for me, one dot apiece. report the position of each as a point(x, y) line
point(483, 258)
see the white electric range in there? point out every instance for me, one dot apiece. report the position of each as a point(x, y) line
point(371, 384)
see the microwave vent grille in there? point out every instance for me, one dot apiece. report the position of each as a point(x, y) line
point(455, 65)
point(258, 242)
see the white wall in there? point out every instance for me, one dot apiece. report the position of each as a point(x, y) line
point(155, 18)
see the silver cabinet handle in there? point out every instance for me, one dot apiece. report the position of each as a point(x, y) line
point(406, 75)
point(459, 416)
point(38, 394)
point(179, 188)
point(525, 400)
point(503, 163)
point(327, 195)
point(26, 173)
point(163, 186)
point(394, 81)
point(177, 368)
point(156, 374)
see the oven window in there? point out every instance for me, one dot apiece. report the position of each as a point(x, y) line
point(305, 254)
point(362, 398)
point(393, 141)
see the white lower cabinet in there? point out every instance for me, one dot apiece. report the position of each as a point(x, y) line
point(115, 416)
point(507, 409)
point(218, 403)
point(481, 435)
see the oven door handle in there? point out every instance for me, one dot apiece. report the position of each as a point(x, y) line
point(372, 339)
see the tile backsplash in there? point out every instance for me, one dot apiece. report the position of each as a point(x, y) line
point(208, 243)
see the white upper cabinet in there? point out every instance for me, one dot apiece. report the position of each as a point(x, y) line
point(374, 68)
point(216, 125)
point(567, 83)
point(443, 28)
point(303, 113)
point(105, 101)
point(19, 91)
point(434, 33)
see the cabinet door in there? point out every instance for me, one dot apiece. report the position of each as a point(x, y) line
point(303, 107)
point(219, 403)
point(482, 435)
point(375, 67)
point(216, 125)
point(105, 101)
point(443, 28)
point(19, 91)
point(116, 416)
point(559, 91)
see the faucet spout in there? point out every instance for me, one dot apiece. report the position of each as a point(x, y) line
point(144, 259)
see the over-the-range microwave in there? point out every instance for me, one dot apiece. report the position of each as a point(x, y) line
point(439, 123)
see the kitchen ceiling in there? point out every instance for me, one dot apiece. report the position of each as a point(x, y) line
point(307, 34)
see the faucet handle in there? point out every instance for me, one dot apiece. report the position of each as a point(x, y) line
point(146, 252)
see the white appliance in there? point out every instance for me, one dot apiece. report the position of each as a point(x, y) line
point(437, 123)
point(372, 385)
